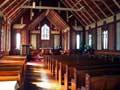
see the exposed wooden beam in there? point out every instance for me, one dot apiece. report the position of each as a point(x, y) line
point(14, 8)
point(52, 8)
point(84, 21)
point(15, 15)
point(70, 16)
point(4, 3)
point(82, 12)
point(47, 12)
point(116, 3)
point(107, 7)
point(67, 14)
point(88, 13)
point(9, 5)
point(78, 19)
point(74, 5)
point(59, 5)
point(17, 9)
point(36, 21)
point(57, 20)
point(99, 8)
point(92, 9)
point(76, 16)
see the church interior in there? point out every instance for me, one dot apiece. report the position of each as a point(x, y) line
point(59, 44)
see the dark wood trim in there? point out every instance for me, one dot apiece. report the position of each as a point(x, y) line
point(115, 21)
point(84, 37)
point(96, 36)
point(115, 30)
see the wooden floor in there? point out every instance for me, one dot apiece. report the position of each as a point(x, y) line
point(39, 78)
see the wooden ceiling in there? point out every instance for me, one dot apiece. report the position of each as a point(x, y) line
point(52, 17)
point(92, 11)
point(11, 8)
point(56, 20)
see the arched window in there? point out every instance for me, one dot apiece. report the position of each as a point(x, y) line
point(18, 40)
point(45, 32)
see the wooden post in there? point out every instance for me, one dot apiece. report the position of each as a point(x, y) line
point(87, 82)
point(66, 78)
point(74, 81)
point(60, 73)
point(56, 70)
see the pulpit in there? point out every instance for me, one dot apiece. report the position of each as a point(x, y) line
point(25, 49)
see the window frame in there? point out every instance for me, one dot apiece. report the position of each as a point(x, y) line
point(78, 34)
point(103, 37)
point(91, 39)
point(45, 32)
point(18, 44)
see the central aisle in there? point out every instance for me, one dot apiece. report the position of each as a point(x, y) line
point(37, 77)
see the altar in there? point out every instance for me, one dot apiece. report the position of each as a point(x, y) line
point(45, 51)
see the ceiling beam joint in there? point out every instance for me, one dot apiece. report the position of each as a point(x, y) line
point(116, 3)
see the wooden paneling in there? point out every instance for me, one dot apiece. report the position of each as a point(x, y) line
point(99, 37)
point(111, 30)
point(118, 36)
point(73, 40)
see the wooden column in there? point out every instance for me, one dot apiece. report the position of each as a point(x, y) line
point(13, 41)
point(0, 31)
point(60, 38)
point(95, 36)
point(1, 21)
point(115, 28)
point(84, 35)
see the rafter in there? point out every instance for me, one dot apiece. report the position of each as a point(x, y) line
point(4, 3)
point(116, 3)
point(14, 8)
point(67, 14)
point(82, 22)
point(86, 23)
point(15, 15)
point(99, 8)
point(91, 9)
point(36, 21)
point(78, 19)
point(47, 12)
point(107, 7)
point(9, 5)
point(17, 8)
point(88, 13)
point(82, 13)
point(57, 20)
point(74, 5)
point(52, 8)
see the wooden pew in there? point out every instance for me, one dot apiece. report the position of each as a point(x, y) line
point(81, 75)
point(12, 69)
point(13, 58)
point(72, 62)
point(110, 82)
